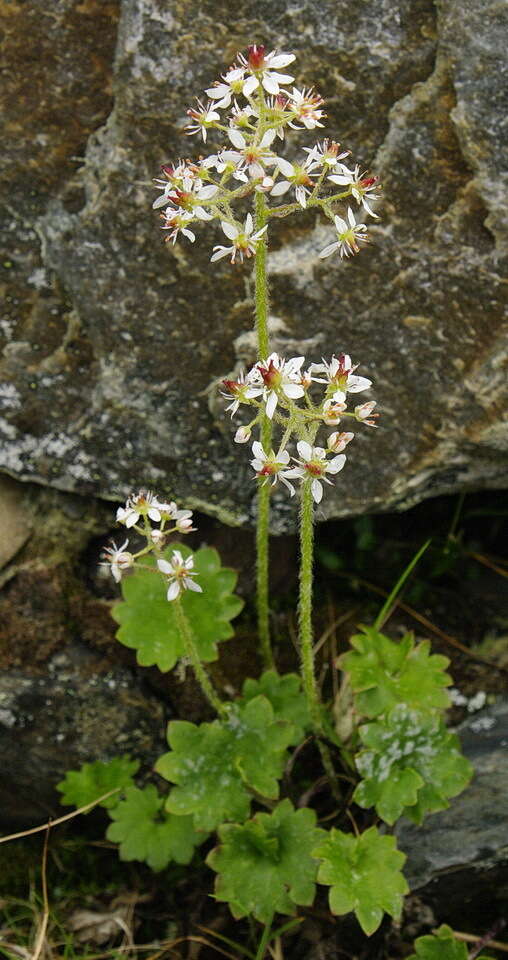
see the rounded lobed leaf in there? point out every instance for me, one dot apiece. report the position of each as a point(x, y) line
point(412, 765)
point(148, 621)
point(93, 780)
point(213, 764)
point(286, 697)
point(441, 945)
point(365, 875)
point(145, 832)
point(266, 866)
point(384, 673)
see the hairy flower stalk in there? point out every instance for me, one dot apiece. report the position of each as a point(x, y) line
point(193, 655)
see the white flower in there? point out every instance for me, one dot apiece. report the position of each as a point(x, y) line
point(306, 104)
point(177, 223)
point(244, 241)
point(337, 442)
point(239, 391)
point(262, 68)
point(314, 464)
point(339, 375)
point(332, 412)
point(349, 235)
point(141, 505)
point(179, 573)
point(272, 466)
point(364, 413)
point(203, 117)
point(325, 154)
point(296, 176)
point(361, 185)
point(231, 83)
point(118, 559)
point(275, 376)
point(249, 156)
point(182, 518)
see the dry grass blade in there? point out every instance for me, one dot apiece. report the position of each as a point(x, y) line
point(41, 935)
point(53, 823)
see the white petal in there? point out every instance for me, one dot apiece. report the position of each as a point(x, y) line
point(328, 250)
point(339, 180)
point(206, 193)
point(202, 214)
point(258, 451)
point(257, 465)
point(237, 138)
point(160, 202)
point(285, 167)
point(341, 225)
point(154, 514)
point(296, 473)
point(293, 390)
point(229, 229)
point(357, 384)
point(304, 449)
point(282, 186)
point(317, 490)
point(271, 404)
point(215, 93)
point(280, 60)
point(131, 519)
point(190, 235)
point(282, 77)
point(192, 585)
point(336, 464)
point(270, 83)
point(267, 138)
point(249, 86)
point(249, 225)
point(339, 396)
point(173, 590)
point(351, 217)
point(220, 252)
point(283, 457)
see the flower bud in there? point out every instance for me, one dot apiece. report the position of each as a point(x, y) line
point(157, 536)
point(364, 410)
point(242, 435)
point(338, 441)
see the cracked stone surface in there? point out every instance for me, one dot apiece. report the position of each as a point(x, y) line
point(112, 340)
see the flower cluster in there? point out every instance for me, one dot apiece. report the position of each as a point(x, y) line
point(139, 513)
point(251, 106)
point(273, 388)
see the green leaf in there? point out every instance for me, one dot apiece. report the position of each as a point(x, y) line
point(384, 673)
point(365, 875)
point(148, 621)
point(286, 697)
point(145, 832)
point(441, 945)
point(265, 866)
point(412, 765)
point(212, 764)
point(93, 780)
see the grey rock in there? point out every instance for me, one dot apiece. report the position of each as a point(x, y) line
point(80, 710)
point(113, 341)
point(471, 837)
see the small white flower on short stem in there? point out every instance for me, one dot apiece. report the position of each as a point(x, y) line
point(239, 391)
point(306, 104)
point(181, 518)
point(337, 442)
point(203, 117)
point(118, 559)
point(295, 176)
point(244, 242)
point(228, 86)
point(177, 223)
point(249, 157)
point(279, 377)
point(242, 435)
point(325, 154)
point(364, 413)
point(143, 504)
point(332, 412)
point(272, 466)
point(349, 235)
point(315, 465)
point(340, 376)
point(179, 573)
point(362, 186)
point(263, 69)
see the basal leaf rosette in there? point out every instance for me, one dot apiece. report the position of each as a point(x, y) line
point(412, 764)
point(266, 866)
point(145, 832)
point(441, 945)
point(148, 623)
point(213, 765)
point(93, 780)
point(384, 673)
point(365, 875)
point(286, 697)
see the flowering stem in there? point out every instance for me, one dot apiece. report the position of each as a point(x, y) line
point(305, 605)
point(192, 653)
point(263, 513)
